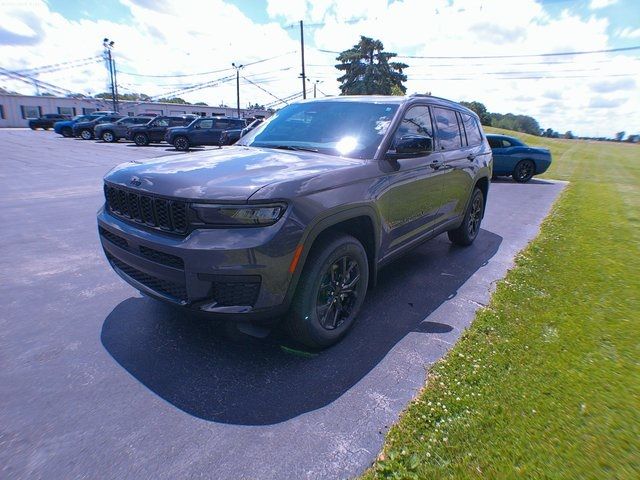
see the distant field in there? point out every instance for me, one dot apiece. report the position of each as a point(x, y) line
point(546, 382)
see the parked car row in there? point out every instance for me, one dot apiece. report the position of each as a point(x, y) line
point(183, 132)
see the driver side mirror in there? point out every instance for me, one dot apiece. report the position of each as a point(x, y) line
point(412, 146)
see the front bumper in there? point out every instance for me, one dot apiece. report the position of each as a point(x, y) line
point(228, 273)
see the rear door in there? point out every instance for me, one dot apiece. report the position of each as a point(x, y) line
point(457, 164)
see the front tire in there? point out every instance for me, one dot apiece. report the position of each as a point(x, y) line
point(331, 291)
point(524, 171)
point(181, 143)
point(141, 139)
point(108, 136)
point(467, 232)
point(86, 134)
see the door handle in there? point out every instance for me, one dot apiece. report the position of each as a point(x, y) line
point(471, 157)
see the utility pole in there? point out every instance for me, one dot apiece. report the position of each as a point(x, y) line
point(115, 83)
point(237, 67)
point(304, 77)
point(315, 85)
point(108, 45)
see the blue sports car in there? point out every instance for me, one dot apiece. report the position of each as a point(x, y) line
point(512, 157)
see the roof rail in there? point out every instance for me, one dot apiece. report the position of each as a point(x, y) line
point(420, 94)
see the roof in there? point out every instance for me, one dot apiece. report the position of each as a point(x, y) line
point(393, 99)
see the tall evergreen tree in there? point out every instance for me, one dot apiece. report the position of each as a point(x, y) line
point(368, 71)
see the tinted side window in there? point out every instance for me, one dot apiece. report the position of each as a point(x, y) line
point(494, 142)
point(161, 122)
point(416, 121)
point(224, 124)
point(471, 129)
point(448, 129)
point(206, 123)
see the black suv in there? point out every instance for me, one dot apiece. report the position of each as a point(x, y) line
point(46, 121)
point(297, 218)
point(203, 131)
point(153, 132)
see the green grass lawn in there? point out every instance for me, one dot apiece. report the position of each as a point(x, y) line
point(546, 381)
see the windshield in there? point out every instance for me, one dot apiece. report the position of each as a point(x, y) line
point(350, 129)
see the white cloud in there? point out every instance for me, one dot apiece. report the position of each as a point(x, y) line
point(628, 33)
point(178, 37)
point(598, 4)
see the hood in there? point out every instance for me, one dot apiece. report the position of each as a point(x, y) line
point(227, 174)
point(107, 125)
point(177, 129)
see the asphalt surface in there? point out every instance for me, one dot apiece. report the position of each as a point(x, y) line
point(99, 382)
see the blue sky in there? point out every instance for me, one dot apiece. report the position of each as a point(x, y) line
point(594, 94)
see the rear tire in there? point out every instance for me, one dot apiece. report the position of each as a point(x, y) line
point(67, 132)
point(467, 232)
point(108, 136)
point(141, 139)
point(181, 143)
point(524, 171)
point(330, 292)
point(86, 134)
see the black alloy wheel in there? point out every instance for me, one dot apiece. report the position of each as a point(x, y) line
point(141, 139)
point(475, 216)
point(338, 292)
point(330, 292)
point(525, 169)
point(468, 230)
point(181, 143)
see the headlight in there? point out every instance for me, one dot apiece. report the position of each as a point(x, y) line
point(239, 215)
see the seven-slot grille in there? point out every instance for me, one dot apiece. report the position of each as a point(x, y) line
point(154, 212)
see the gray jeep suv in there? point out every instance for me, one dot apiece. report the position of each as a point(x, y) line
point(295, 220)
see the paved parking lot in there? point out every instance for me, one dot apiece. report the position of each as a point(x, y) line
point(99, 382)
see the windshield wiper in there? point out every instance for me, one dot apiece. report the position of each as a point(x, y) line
point(290, 147)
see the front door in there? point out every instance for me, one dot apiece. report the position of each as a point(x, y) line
point(158, 128)
point(410, 202)
point(202, 132)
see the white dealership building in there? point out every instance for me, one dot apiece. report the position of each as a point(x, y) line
point(16, 110)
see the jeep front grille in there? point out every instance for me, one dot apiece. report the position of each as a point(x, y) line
point(155, 212)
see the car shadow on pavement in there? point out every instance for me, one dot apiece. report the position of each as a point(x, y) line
point(210, 370)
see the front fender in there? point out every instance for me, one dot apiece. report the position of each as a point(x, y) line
point(325, 222)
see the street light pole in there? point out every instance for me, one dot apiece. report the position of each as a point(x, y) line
point(237, 67)
point(108, 45)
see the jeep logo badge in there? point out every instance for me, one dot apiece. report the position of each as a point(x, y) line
point(135, 181)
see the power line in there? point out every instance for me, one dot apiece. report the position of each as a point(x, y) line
point(204, 73)
point(61, 65)
point(475, 77)
point(264, 90)
point(586, 52)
